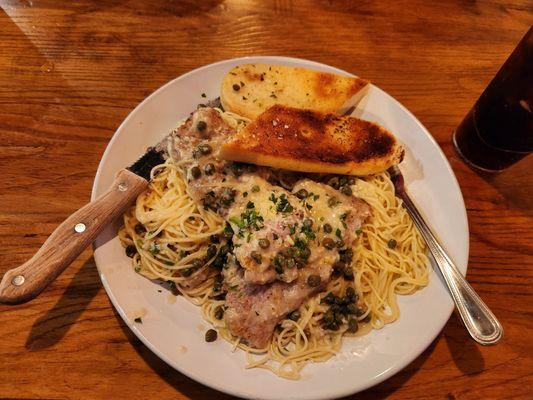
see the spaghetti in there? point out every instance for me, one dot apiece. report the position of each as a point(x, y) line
point(170, 237)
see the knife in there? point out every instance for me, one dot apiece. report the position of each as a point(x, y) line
point(78, 231)
point(480, 322)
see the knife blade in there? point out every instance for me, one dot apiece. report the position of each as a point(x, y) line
point(78, 231)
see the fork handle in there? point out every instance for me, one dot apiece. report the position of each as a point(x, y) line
point(69, 239)
point(480, 322)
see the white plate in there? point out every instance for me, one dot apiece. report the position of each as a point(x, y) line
point(175, 332)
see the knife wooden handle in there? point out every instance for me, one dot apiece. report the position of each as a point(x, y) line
point(69, 239)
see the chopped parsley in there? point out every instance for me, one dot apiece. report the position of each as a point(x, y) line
point(250, 219)
point(308, 232)
point(250, 204)
point(237, 222)
point(338, 233)
point(299, 243)
point(154, 249)
point(283, 204)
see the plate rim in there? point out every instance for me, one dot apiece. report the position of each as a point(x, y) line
point(394, 368)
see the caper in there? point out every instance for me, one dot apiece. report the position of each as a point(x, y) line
point(256, 256)
point(196, 153)
point(140, 229)
point(205, 149)
point(299, 263)
point(352, 325)
point(302, 194)
point(173, 288)
point(279, 269)
point(313, 281)
point(197, 263)
point(255, 188)
point(308, 223)
point(264, 243)
point(335, 308)
point(214, 239)
point(351, 308)
point(227, 232)
point(346, 255)
point(332, 202)
point(334, 326)
point(338, 268)
point(295, 315)
point(238, 169)
point(359, 312)
point(327, 228)
point(290, 263)
point(347, 190)
point(211, 251)
point(211, 335)
point(343, 181)
point(305, 253)
point(334, 182)
point(131, 250)
point(228, 196)
point(209, 169)
point(328, 243)
point(328, 317)
point(339, 243)
point(350, 292)
point(289, 252)
point(217, 287)
point(186, 272)
point(201, 126)
point(279, 259)
point(195, 172)
point(348, 273)
point(329, 298)
point(392, 244)
point(219, 313)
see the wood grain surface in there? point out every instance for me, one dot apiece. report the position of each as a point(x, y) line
point(70, 72)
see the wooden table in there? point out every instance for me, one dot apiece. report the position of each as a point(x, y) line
point(70, 72)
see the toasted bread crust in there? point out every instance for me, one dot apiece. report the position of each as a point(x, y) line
point(309, 141)
point(250, 89)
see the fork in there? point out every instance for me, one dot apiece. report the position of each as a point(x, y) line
point(479, 321)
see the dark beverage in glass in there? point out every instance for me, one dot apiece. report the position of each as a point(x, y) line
point(498, 130)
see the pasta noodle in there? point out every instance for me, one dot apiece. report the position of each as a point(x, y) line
point(389, 260)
